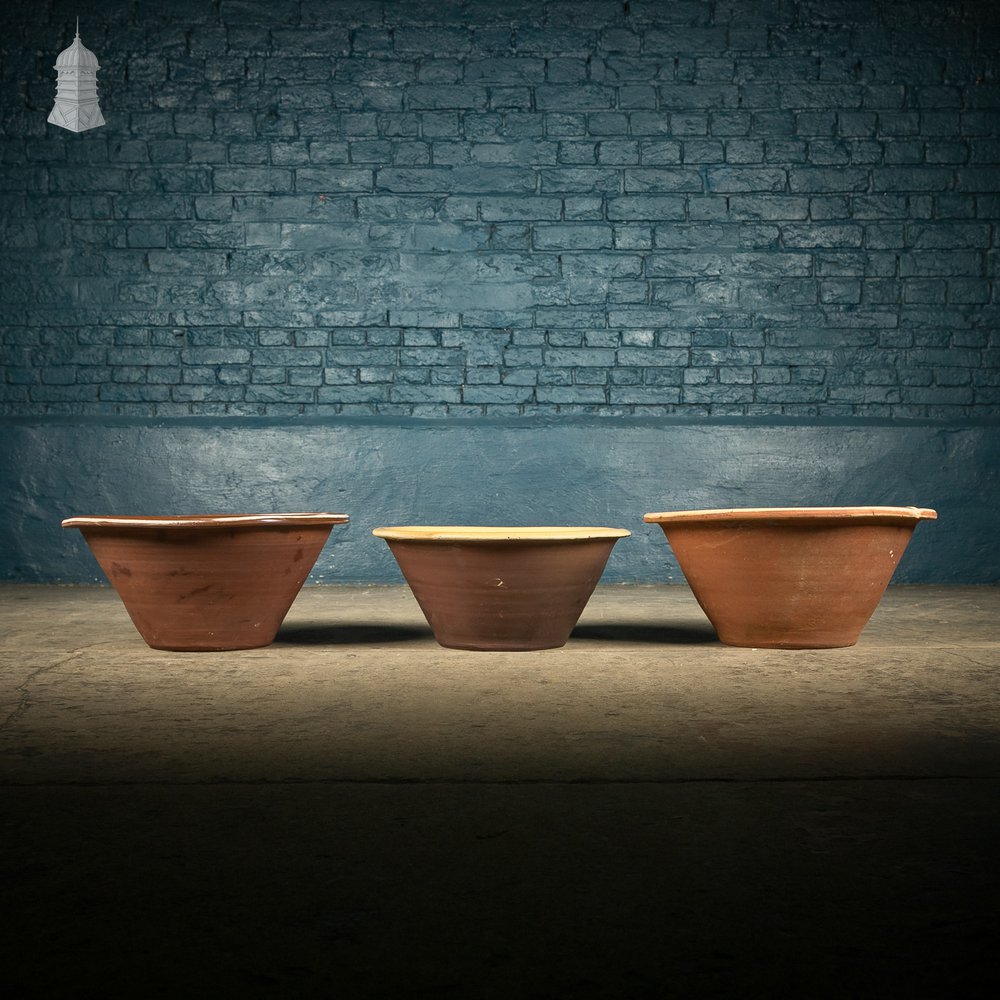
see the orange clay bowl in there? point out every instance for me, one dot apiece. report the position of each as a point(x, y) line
point(207, 582)
point(501, 588)
point(790, 577)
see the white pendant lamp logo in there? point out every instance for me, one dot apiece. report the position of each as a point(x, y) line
point(76, 106)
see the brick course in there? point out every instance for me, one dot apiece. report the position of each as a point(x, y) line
point(469, 209)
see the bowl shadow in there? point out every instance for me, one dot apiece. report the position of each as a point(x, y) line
point(350, 634)
point(674, 635)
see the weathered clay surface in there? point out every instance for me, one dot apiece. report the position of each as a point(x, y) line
point(790, 578)
point(210, 582)
point(501, 588)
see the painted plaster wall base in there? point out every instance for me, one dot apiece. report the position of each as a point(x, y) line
point(412, 472)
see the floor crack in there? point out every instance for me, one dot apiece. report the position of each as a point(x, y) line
point(24, 688)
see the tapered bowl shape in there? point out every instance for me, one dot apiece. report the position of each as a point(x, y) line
point(790, 577)
point(207, 582)
point(501, 588)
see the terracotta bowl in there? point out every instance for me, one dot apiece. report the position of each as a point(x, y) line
point(790, 577)
point(490, 588)
point(207, 582)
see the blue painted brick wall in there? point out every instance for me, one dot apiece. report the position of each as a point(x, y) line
point(469, 208)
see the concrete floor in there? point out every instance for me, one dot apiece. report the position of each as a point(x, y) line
point(357, 812)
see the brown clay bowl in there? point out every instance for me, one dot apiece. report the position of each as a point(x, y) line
point(789, 577)
point(495, 588)
point(207, 582)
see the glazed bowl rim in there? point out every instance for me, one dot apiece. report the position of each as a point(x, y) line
point(204, 520)
point(495, 533)
point(794, 514)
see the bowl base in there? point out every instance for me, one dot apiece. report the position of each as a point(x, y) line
point(500, 648)
point(189, 647)
point(789, 644)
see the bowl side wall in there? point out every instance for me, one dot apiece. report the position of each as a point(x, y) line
point(514, 596)
point(200, 589)
point(791, 586)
